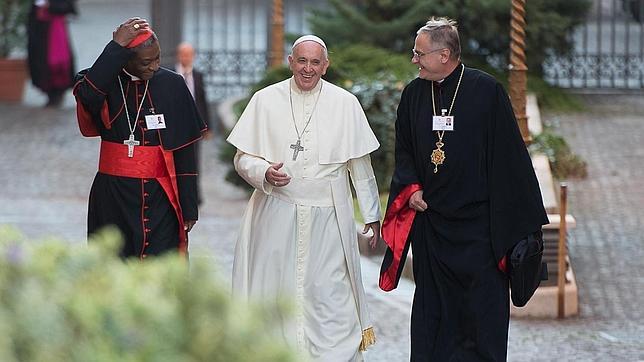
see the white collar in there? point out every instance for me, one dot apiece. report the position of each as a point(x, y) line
point(133, 77)
point(297, 90)
point(183, 70)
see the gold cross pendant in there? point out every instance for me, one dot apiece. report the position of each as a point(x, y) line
point(438, 156)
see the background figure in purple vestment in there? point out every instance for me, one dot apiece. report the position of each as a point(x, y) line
point(51, 62)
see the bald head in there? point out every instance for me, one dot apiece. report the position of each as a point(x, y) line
point(185, 54)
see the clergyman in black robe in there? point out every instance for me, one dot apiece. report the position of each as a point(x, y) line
point(461, 197)
point(146, 183)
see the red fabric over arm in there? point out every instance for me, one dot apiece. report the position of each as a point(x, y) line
point(85, 121)
point(395, 232)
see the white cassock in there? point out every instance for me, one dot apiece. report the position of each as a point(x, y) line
point(299, 242)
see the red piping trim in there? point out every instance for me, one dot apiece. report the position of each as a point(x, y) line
point(93, 86)
point(75, 87)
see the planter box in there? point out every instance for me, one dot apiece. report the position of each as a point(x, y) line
point(13, 75)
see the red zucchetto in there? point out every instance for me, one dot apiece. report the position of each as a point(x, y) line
point(140, 38)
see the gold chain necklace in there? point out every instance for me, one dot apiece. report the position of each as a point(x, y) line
point(438, 155)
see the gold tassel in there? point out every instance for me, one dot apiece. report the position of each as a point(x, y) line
point(368, 338)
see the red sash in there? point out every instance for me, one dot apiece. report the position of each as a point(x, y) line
point(148, 162)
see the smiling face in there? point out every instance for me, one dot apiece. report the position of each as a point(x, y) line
point(308, 64)
point(432, 59)
point(145, 62)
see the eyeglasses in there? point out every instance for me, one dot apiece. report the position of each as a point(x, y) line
point(417, 54)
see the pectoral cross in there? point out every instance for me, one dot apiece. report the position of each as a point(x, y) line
point(297, 147)
point(131, 142)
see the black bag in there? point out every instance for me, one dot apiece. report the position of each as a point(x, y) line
point(526, 268)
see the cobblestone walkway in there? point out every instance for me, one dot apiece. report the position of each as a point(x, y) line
point(607, 247)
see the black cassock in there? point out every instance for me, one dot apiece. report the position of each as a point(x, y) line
point(139, 206)
point(483, 199)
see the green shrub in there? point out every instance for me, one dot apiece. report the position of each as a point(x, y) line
point(227, 153)
point(13, 34)
point(362, 62)
point(484, 26)
point(75, 303)
point(563, 162)
point(379, 99)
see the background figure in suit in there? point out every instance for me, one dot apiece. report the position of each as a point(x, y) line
point(194, 80)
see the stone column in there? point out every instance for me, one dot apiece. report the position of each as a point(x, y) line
point(167, 22)
point(518, 67)
point(276, 53)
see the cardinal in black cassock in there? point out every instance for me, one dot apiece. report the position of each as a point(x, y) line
point(476, 202)
point(146, 180)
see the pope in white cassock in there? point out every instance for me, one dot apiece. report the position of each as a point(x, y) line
point(298, 141)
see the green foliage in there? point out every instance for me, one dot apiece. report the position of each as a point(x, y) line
point(484, 26)
point(271, 76)
point(379, 99)
point(548, 24)
point(227, 153)
point(564, 163)
point(13, 17)
point(64, 303)
point(362, 62)
point(386, 24)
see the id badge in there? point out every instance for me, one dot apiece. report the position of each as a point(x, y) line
point(155, 121)
point(443, 123)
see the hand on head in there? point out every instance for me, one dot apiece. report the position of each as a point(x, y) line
point(129, 30)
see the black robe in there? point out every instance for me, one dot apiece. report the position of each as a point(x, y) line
point(483, 199)
point(139, 207)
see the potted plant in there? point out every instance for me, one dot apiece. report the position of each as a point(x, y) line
point(13, 70)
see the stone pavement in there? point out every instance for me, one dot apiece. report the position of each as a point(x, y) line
point(46, 169)
point(607, 247)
